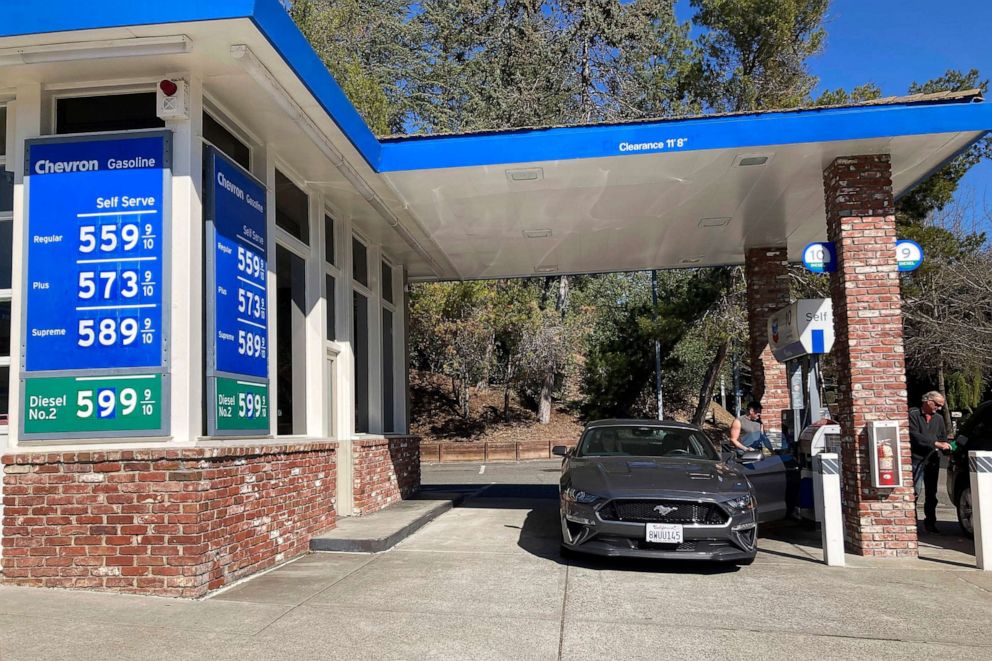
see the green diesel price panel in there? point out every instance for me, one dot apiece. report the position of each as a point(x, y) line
point(93, 405)
point(241, 406)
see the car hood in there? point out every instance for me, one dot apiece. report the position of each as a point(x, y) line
point(618, 477)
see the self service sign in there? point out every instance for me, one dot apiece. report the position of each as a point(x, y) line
point(96, 284)
point(237, 315)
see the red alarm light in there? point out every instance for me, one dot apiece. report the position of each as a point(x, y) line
point(168, 87)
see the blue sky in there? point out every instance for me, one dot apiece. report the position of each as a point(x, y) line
point(893, 43)
point(896, 42)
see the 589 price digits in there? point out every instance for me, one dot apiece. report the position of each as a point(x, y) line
point(107, 332)
point(251, 344)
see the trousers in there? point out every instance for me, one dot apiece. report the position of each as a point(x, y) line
point(927, 478)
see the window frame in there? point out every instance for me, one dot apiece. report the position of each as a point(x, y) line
point(282, 238)
point(332, 269)
point(7, 295)
point(91, 90)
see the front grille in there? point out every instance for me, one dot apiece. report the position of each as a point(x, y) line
point(644, 511)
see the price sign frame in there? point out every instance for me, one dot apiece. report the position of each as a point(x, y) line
point(161, 370)
point(214, 158)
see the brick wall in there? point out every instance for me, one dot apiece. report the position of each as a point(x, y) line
point(767, 274)
point(163, 522)
point(869, 350)
point(385, 470)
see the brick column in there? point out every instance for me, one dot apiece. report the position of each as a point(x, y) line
point(871, 373)
point(767, 274)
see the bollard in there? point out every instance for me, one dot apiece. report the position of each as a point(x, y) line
point(826, 491)
point(980, 465)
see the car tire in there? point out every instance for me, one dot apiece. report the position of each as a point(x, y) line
point(565, 552)
point(746, 562)
point(964, 510)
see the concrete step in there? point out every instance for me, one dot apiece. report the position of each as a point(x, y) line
point(377, 532)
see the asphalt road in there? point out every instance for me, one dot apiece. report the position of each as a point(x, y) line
point(485, 581)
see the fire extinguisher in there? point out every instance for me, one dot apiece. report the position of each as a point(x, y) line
point(886, 465)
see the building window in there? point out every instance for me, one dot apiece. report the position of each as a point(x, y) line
point(329, 287)
point(360, 262)
point(387, 370)
point(329, 256)
point(110, 112)
point(360, 342)
point(6, 263)
point(387, 282)
point(292, 209)
point(218, 136)
point(291, 326)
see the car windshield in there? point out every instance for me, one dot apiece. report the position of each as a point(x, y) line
point(645, 441)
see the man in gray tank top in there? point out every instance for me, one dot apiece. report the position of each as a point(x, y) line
point(745, 432)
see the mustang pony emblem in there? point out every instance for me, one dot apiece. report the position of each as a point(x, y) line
point(664, 510)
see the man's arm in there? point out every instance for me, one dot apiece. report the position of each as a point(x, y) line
point(735, 434)
point(919, 438)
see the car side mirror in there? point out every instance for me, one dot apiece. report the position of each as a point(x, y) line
point(560, 450)
point(751, 456)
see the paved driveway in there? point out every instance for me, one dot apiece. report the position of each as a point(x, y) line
point(484, 581)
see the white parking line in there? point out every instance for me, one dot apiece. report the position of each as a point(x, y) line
point(482, 469)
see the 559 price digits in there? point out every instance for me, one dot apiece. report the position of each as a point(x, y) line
point(107, 238)
point(250, 264)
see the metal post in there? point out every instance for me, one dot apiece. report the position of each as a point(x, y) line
point(737, 386)
point(980, 464)
point(657, 346)
point(826, 490)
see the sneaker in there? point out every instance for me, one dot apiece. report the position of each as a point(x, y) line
point(931, 526)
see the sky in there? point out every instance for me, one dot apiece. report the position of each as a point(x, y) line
point(893, 43)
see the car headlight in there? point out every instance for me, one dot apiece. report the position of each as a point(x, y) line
point(743, 503)
point(575, 496)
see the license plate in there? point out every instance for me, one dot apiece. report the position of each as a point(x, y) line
point(664, 533)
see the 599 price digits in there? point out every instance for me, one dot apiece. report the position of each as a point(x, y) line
point(108, 404)
point(252, 406)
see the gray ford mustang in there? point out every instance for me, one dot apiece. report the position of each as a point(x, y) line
point(642, 488)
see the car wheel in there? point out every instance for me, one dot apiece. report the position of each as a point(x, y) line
point(745, 563)
point(566, 552)
point(964, 509)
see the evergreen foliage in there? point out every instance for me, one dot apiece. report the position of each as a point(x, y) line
point(475, 65)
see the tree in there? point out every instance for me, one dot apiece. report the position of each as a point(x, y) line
point(756, 51)
point(938, 346)
point(370, 48)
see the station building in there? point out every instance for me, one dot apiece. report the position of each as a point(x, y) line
point(205, 252)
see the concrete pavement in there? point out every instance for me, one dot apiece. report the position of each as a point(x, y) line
point(484, 581)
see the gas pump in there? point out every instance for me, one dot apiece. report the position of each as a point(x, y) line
point(798, 335)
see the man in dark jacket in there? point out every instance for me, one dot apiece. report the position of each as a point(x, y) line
point(927, 438)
